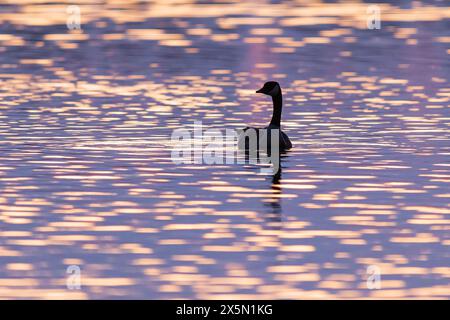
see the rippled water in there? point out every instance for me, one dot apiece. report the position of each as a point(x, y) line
point(86, 175)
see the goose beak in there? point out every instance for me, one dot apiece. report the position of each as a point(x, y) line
point(260, 90)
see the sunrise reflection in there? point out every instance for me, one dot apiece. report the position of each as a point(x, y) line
point(87, 178)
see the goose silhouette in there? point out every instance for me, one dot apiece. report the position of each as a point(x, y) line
point(273, 89)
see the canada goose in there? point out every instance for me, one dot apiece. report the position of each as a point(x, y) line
point(272, 89)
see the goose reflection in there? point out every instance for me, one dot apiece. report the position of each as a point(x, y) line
point(273, 203)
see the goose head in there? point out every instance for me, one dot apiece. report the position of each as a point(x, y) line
point(271, 88)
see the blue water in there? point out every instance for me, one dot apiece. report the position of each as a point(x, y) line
point(87, 179)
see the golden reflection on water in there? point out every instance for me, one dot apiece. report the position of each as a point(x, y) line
point(86, 176)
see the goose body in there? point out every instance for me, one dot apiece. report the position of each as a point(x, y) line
point(272, 89)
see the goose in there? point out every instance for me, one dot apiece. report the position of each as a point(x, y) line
point(273, 89)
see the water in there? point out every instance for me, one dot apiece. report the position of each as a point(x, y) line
point(86, 175)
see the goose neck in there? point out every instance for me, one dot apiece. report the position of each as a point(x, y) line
point(277, 107)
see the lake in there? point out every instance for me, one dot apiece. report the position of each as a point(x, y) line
point(89, 188)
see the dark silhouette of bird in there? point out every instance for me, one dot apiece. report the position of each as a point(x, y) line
point(270, 132)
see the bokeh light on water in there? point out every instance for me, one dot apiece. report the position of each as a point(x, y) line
point(86, 176)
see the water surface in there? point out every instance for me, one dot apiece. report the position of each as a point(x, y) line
point(86, 176)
